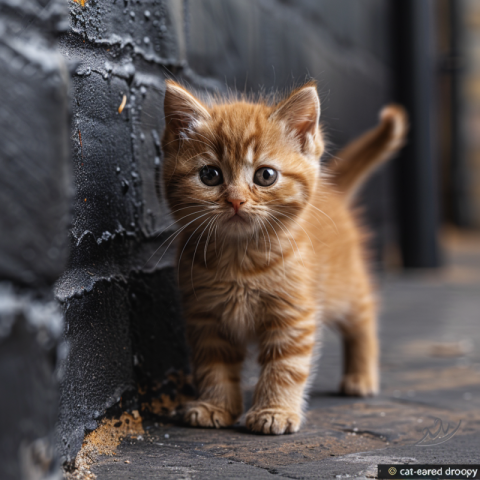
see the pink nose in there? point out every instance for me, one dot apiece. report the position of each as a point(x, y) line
point(236, 203)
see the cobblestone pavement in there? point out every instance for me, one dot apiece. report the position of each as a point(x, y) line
point(430, 333)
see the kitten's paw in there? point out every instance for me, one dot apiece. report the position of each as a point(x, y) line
point(359, 385)
point(203, 414)
point(273, 421)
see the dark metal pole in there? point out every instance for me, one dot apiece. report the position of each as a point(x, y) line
point(417, 169)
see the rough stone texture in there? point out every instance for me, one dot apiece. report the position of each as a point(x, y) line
point(29, 334)
point(35, 192)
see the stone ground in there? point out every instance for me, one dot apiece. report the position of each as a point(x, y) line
point(430, 333)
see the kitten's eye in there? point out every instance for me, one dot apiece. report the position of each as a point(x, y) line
point(211, 176)
point(265, 176)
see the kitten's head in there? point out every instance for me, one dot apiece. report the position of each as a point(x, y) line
point(242, 166)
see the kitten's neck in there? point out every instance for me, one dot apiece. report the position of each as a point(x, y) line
point(241, 255)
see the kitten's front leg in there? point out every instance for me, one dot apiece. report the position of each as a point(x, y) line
point(217, 363)
point(286, 349)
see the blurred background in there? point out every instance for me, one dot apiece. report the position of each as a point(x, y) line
point(90, 321)
point(365, 54)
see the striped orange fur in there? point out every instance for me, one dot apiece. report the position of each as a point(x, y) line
point(269, 263)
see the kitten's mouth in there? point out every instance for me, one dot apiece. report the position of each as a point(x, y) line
point(236, 218)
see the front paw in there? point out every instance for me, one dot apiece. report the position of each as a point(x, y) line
point(359, 385)
point(273, 421)
point(204, 414)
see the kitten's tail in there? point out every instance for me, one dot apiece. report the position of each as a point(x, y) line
point(354, 164)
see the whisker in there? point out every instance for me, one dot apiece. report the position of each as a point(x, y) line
point(212, 132)
point(303, 219)
point(321, 211)
point(215, 239)
point(194, 156)
point(212, 146)
point(195, 252)
point(165, 229)
point(280, 244)
point(269, 241)
point(293, 220)
point(288, 234)
point(205, 201)
point(183, 249)
point(177, 233)
point(210, 231)
point(221, 254)
point(246, 246)
point(260, 223)
point(199, 141)
point(184, 208)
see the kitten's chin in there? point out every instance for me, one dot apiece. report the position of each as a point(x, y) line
point(237, 226)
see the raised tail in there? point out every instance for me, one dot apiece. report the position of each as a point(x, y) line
point(353, 165)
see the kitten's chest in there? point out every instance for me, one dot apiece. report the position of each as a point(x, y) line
point(242, 300)
point(236, 303)
point(238, 298)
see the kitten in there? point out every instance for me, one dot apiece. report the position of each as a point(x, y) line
point(269, 248)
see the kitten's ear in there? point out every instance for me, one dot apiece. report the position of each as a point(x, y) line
point(300, 112)
point(182, 109)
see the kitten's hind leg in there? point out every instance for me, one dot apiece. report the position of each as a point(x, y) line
point(360, 342)
point(217, 364)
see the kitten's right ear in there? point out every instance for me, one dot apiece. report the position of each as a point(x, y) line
point(182, 110)
point(300, 112)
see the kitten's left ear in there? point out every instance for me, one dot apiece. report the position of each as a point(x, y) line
point(300, 112)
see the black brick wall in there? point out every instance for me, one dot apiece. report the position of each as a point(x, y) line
point(35, 193)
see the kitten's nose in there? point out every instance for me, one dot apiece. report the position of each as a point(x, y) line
point(236, 203)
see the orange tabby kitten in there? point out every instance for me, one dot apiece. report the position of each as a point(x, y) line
point(269, 249)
